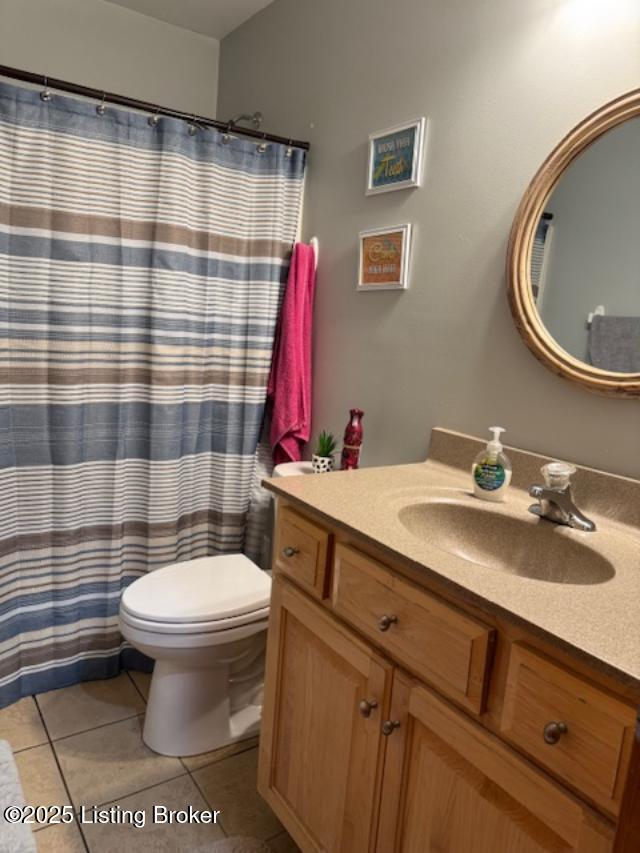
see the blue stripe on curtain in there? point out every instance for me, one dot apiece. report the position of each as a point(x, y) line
point(129, 328)
point(147, 257)
point(72, 434)
point(141, 274)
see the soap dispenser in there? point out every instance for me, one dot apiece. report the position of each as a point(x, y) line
point(491, 470)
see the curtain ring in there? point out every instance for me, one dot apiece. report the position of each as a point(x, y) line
point(193, 127)
point(153, 120)
point(45, 95)
point(226, 136)
point(289, 149)
point(102, 108)
point(262, 147)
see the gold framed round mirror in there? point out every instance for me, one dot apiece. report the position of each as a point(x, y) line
point(573, 261)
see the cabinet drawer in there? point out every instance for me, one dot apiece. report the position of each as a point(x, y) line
point(436, 642)
point(592, 754)
point(301, 551)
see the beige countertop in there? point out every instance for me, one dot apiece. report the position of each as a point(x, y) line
point(598, 621)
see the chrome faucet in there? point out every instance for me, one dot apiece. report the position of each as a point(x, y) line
point(555, 501)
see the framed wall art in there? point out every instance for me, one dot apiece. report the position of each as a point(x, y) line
point(395, 157)
point(384, 258)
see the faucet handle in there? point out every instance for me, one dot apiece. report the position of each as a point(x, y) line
point(557, 475)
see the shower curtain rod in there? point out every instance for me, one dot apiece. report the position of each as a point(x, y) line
point(133, 103)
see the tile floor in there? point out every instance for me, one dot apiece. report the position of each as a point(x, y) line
point(82, 745)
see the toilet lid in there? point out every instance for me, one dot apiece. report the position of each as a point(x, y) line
point(203, 590)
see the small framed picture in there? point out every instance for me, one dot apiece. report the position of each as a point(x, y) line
point(395, 157)
point(384, 258)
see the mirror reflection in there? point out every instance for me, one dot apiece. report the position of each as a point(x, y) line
point(585, 262)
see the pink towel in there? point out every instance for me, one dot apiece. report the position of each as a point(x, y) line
point(289, 387)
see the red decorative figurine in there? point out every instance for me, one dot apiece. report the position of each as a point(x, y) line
point(352, 441)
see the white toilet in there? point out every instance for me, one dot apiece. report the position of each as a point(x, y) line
point(204, 623)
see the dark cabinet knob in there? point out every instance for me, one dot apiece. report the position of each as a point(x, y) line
point(390, 726)
point(553, 731)
point(366, 706)
point(289, 551)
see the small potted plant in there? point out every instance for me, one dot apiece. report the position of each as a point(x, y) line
point(322, 459)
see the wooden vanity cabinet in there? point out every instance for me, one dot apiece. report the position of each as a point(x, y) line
point(359, 755)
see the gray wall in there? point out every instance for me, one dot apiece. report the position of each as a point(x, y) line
point(501, 83)
point(595, 249)
point(109, 47)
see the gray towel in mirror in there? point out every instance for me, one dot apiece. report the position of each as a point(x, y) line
point(614, 343)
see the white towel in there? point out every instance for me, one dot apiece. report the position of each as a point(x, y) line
point(14, 837)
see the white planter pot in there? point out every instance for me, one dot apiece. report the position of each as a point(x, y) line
point(322, 464)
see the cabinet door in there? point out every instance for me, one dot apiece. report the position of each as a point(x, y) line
point(450, 786)
point(320, 751)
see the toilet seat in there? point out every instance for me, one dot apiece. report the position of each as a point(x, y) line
point(211, 626)
point(205, 595)
point(199, 635)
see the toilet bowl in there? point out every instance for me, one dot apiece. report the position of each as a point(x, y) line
point(204, 623)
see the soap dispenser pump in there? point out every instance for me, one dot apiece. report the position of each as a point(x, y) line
point(491, 470)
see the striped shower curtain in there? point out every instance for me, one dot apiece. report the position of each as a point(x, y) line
point(142, 265)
